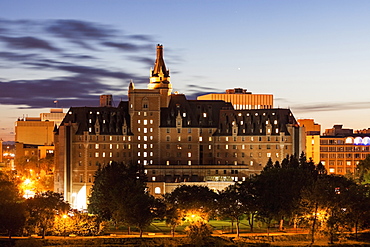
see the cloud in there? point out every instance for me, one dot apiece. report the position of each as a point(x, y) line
point(77, 30)
point(41, 93)
point(331, 106)
point(27, 43)
point(64, 71)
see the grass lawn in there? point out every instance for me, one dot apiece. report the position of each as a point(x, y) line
point(219, 226)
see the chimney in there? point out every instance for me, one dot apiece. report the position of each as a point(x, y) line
point(106, 100)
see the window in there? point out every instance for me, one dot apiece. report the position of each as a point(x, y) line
point(189, 138)
point(157, 190)
point(168, 138)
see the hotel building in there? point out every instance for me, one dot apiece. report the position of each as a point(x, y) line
point(176, 140)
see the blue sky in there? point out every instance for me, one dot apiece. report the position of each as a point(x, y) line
point(314, 56)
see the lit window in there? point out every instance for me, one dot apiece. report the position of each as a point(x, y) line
point(157, 190)
point(110, 154)
point(189, 154)
point(145, 154)
point(204, 114)
point(153, 179)
point(145, 130)
point(227, 146)
point(138, 154)
point(210, 138)
point(200, 138)
point(151, 154)
point(96, 146)
point(227, 138)
point(151, 121)
point(103, 154)
point(189, 162)
point(331, 170)
point(96, 155)
point(168, 162)
point(145, 146)
point(145, 138)
point(138, 129)
point(145, 122)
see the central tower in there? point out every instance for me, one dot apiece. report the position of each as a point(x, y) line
point(160, 76)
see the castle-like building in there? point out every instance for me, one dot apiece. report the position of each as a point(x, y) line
point(177, 140)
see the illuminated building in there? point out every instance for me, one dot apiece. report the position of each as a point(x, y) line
point(34, 136)
point(241, 99)
point(204, 142)
point(313, 131)
point(342, 149)
point(338, 149)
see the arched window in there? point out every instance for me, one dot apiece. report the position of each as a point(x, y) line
point(349, 140)
point(366, 140)
point(358, 140)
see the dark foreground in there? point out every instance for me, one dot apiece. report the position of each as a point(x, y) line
point(165, 241)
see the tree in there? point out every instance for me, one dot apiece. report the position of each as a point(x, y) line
point(277, 190)
point(190, 203)
point(248, 196)
point(43, 208)
point(363, 170)
point(358, 206)
point(325, 203)
point(12, 212)
point(231, 204)
point(119, 193)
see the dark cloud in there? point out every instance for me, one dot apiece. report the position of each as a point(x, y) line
point(330, 106)
point(42, 93)
point(79, 30)
point(122, 46)
point(27, 43)
point(146, 61)
point(12, 56)
point(141, 37)
point(67, 73)
point(194, 90)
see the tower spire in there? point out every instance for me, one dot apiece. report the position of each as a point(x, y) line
point(160, 66)
point(159, 76)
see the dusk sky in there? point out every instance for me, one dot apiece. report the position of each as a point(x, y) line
point(313, 56)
